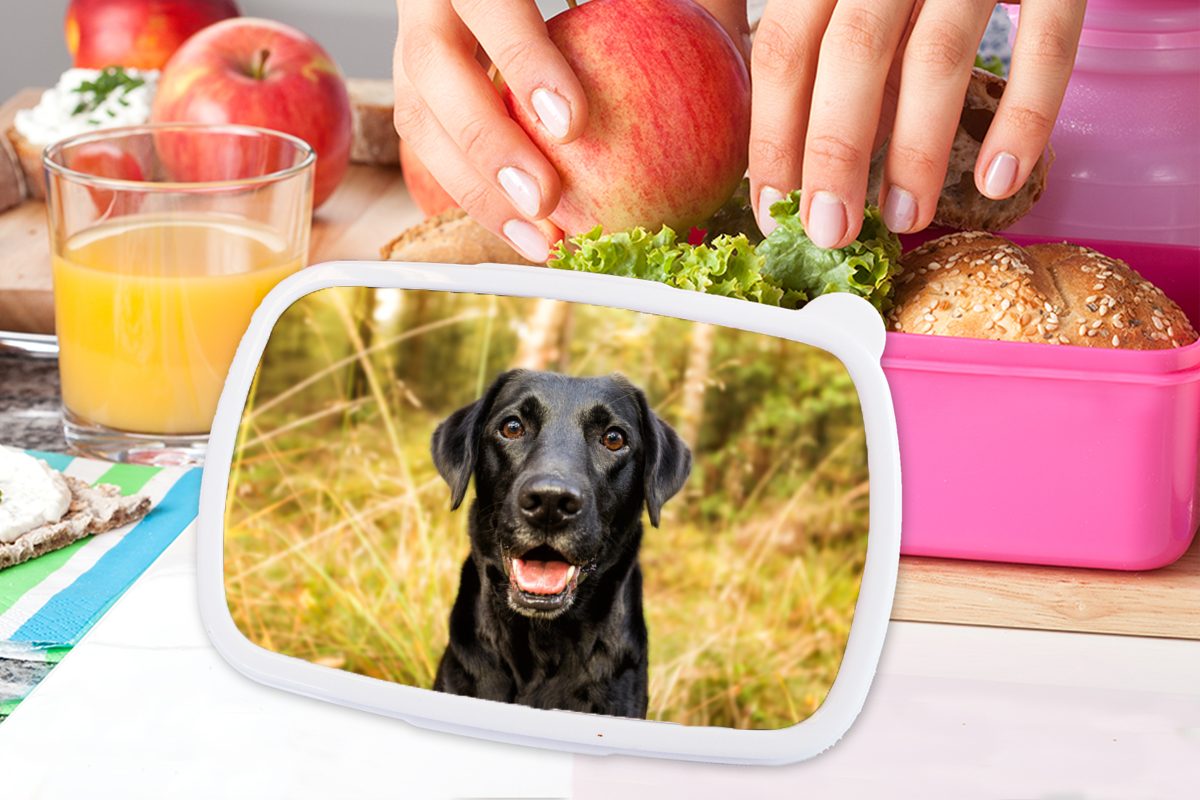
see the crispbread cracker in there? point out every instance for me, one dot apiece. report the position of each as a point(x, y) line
point(93, 509)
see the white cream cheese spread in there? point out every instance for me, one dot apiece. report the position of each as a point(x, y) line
point(88, 100)
point(31, 494)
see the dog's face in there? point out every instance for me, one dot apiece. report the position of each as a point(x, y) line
point(562, 469)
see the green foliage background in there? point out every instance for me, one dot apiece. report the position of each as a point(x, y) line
point(341, 549)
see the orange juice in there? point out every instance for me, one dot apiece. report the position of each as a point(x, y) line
point(149, 312)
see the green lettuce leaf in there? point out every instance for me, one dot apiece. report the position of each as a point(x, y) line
point(785, 269)
point(864, 267)
point(726, 266)
point(632, 254)
point(992, 64)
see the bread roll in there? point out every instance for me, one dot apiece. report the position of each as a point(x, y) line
point(980, 286)
point(29, 156)
point(375, 140)
point(12, 176)
point(960, 204)
point(451, 238)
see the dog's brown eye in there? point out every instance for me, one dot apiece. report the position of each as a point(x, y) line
point(512, 428)
point(614, 439)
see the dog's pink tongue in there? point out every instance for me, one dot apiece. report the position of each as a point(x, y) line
point(540, 577)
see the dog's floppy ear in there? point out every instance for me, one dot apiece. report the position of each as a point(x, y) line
point(455, 443)
point(668, 459)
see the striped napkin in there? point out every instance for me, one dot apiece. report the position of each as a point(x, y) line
point(48, 603)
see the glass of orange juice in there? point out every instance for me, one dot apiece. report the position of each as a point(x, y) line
point(164, 238)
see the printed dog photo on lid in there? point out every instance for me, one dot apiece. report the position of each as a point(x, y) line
point(563, 467)
point(551, 504)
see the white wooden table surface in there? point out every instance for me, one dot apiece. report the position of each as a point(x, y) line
point(144, 707)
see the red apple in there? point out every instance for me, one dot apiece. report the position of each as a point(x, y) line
point(263, 73)
point(428, 194)
point(137, 33)
point(668, 115)
point(107, 160)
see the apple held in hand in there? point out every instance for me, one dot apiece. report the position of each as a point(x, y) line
point(668, 115)
point(262, 73)
point(137, 33)
point(426, 192)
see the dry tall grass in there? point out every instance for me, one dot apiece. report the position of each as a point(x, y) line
point(341, 549)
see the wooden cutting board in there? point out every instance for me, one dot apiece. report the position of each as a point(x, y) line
point(372, 206)
point(1164, 602)
point(26, 304)
point(368, 210)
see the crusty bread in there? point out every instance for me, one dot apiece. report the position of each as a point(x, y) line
point(981, 286)
point(12, 176)
point(30, 157)
point(960, 204)
point(375, 139)
point(93, 509)
point(451, 238)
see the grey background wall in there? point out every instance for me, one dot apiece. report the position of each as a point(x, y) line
point(359, 33)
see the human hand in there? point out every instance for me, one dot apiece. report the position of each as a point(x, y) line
point(449, 112)
point(833, 78)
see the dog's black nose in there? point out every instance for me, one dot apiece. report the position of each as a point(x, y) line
point(547, 502)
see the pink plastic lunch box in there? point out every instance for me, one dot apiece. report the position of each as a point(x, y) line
point(1044, 454)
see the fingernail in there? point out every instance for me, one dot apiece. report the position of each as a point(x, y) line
point(899, 210)
point(553, 111)
point(1001, 175)
point(522, 189)
point(767, 197)
point(528, 240)
point(826, 219)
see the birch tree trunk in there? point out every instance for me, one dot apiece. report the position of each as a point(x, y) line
point(695, 383)
point(541, 342)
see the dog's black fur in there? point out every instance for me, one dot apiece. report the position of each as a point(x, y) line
point(554, 485)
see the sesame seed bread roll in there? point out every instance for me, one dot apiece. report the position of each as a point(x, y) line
point(980, 286)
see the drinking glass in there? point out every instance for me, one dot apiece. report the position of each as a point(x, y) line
point(164, 238)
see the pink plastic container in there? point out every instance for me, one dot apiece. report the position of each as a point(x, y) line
point(1044, 454)
point(1128, 134)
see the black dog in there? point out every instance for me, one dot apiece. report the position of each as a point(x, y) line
point(549, 607)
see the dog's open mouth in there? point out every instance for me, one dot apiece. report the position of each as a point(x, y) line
point(543, 579)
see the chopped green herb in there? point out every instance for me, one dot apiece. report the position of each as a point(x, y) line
point(94, 92)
